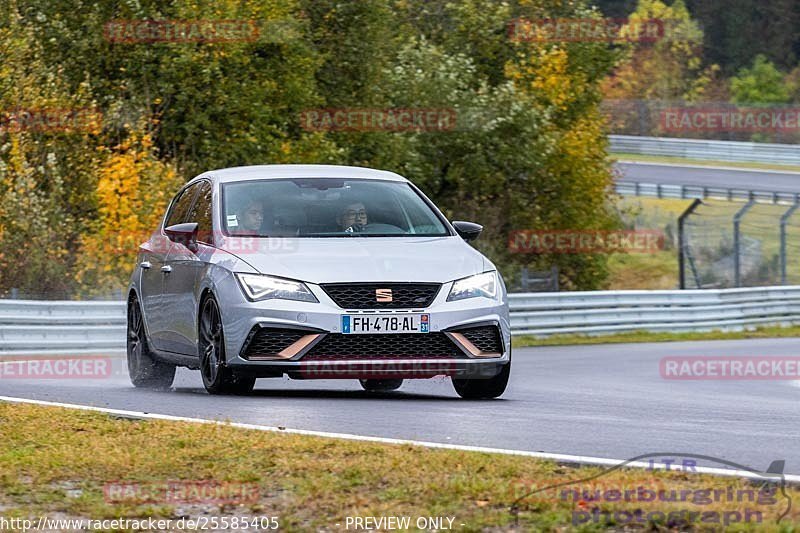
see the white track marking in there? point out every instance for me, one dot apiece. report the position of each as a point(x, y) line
point(579, 459)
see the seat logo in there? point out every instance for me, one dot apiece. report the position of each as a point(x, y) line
point(383, 295)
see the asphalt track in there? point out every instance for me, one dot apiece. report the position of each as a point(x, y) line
point(719, 177)
point(604, 401)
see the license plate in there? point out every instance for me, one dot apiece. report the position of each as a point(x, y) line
point(376, 324)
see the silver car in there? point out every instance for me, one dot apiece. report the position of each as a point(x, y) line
point(315, 272)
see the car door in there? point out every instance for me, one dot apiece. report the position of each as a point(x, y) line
point(152, 282)
point(185, 269)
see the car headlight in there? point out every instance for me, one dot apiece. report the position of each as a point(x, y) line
point(258, 287)
point(480, 285)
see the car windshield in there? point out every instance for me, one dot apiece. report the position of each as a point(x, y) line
point(327, 207)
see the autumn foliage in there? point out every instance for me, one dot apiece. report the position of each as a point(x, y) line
point(133, 188)
point(527, 150)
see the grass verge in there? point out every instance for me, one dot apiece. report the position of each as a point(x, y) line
point(56, 462)
point(702, 162)
point(643, 271)
point(647, 336)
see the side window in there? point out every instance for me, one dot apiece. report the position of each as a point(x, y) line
point(180, 207)
point(201, 213)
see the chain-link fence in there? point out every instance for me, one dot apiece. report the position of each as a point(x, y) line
point(739, 245)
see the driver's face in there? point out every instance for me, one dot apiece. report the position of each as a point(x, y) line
point(354, 214)
point(252, 217)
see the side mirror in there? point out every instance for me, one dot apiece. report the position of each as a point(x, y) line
point(468, 231)
point(185, 234)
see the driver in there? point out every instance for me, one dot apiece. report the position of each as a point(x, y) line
point(250, 216)
point(353, 218)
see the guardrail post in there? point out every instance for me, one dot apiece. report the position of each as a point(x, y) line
point(643, 116)
point(524, 279)
point(737, 266)
point(784, 221)
point(682, 239)
point(554, 277)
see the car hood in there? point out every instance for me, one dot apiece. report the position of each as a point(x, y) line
point(327, 260)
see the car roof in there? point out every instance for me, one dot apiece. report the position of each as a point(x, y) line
point(266, 172)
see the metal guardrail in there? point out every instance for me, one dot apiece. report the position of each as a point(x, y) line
point(605, 312)
point(73, 328)
point(61, 327)
point(701, 192)
point(733, 151)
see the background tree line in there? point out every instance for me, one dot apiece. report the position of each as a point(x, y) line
point(735, 32)
point(528, 152)
point(738, 52)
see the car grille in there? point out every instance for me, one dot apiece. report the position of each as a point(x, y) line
point(363, 295)
point(338, 346)
point(485, 338)
point(270, 341)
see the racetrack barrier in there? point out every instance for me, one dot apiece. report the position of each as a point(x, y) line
point(707, 150)
point(606, 312)
point(30, 327)
point(34, 327)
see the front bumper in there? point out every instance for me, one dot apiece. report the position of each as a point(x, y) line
point(307, 325)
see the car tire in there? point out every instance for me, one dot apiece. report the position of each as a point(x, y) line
point(380, 385)
point(483, 389)
point(218, 378)
point(144, 370)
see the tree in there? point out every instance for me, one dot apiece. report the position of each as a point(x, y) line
point(736, 31)
point(218, 104)
point(762, 83)
point(44, 171)
point(667, 69)
point(528, 151)
point(133, 190)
